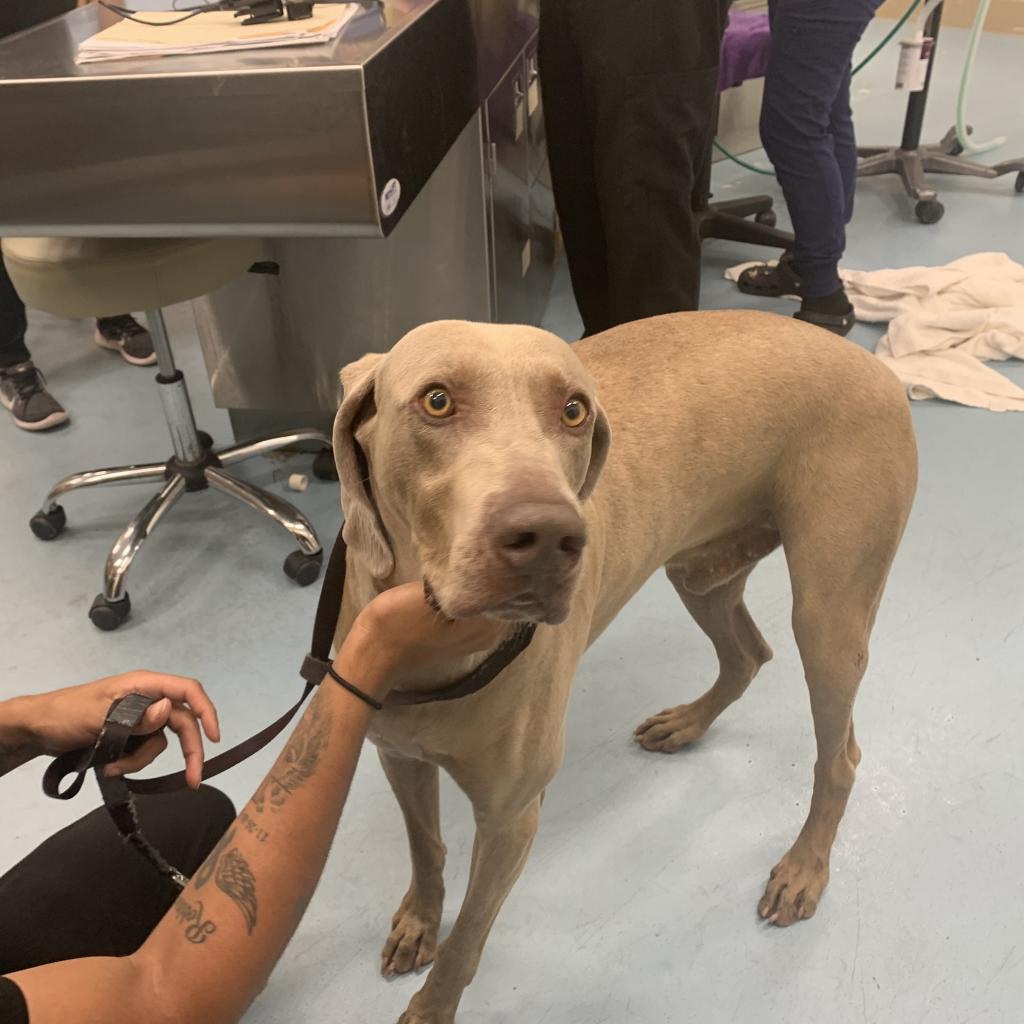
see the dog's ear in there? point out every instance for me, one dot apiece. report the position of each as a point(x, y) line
point(599, 446)
point(364, 532)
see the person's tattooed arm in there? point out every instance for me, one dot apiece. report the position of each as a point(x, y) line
point(213, 951)
point(297, 763)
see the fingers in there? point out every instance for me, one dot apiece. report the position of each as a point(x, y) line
point(146, 754)
point(470, 636)
point(180, 720)
point(155, 718)
point(183, 722)
point(178, 689)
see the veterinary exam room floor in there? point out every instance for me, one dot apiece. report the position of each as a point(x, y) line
point(638, 903)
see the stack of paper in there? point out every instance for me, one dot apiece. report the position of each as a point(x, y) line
point(210, 32)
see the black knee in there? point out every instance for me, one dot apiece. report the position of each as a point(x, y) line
point(186, 825)
point(85, 892)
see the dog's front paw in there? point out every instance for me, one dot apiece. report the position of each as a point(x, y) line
point(674, 728)
point(412, 943)
point(794, 888)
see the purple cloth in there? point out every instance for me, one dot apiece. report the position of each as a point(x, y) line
point(745, 48)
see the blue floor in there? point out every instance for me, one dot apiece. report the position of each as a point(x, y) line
point(638, 901)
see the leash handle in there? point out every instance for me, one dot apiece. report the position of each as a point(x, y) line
point(115, 739)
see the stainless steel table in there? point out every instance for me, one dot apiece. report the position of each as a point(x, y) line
point(397, 174)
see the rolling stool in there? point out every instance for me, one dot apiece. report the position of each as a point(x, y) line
point(88, 277)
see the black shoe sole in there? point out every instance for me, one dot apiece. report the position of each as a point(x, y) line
point(837, 323)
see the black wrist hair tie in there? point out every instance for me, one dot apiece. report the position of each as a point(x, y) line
point(354, 690)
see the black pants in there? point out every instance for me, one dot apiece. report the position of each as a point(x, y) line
point(85, 893)
point(12, 323)
point(807, 127)
point(629, 100)
point(15, 16)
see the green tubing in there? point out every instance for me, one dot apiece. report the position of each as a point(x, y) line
point(743, 163)
point(888, 39)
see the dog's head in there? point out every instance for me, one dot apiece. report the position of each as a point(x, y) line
point(465, 453)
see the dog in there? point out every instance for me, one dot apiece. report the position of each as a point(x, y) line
point(530, 480)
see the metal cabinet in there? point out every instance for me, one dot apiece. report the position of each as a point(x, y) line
point(521, 220)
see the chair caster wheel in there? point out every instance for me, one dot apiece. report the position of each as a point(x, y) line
point(48, 525)
point(1018, 185)
point(205, 439)
point(323, 465)
point(303, 568)
point(929, 211)
point(767, 218)
point(108, 615)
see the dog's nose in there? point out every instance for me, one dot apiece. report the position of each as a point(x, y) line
point(534, 536)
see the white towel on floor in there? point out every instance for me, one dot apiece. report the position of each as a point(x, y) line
point(945, 323)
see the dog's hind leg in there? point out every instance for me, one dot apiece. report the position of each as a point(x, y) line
point(838, 561)
point(413, 940)
point(722, 615)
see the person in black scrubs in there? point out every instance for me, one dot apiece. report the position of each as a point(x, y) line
point(807, 131)
point(629, 101)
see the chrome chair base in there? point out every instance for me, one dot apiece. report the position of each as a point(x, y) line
point(195, 466)
point(111, 607)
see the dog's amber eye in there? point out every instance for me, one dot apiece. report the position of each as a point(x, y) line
point(575, 412)
point(438, 403)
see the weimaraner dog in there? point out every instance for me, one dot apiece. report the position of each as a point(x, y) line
point(527, 479)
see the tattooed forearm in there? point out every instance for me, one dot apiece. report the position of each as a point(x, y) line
point(231, 871)
point(235, 878)
point(205, 873)
point(198, 927)
point(249, 823)
point(297, 763)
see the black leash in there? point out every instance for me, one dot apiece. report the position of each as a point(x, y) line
point(116, 740)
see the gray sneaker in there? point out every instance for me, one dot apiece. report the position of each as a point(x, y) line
point(23, 393)
point(126, 335)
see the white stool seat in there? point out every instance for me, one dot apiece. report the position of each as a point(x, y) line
point(88, 277)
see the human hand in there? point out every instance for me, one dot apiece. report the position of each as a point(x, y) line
point(399, 631)
point(72, 718)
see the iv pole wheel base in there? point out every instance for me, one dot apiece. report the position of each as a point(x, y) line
point(48, 525)
point(108, 615)
point(303, 568)
point(929, 211)
point(1018, 185)
point(767, 218)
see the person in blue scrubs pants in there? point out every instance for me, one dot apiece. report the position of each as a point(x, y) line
point(807, 131)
